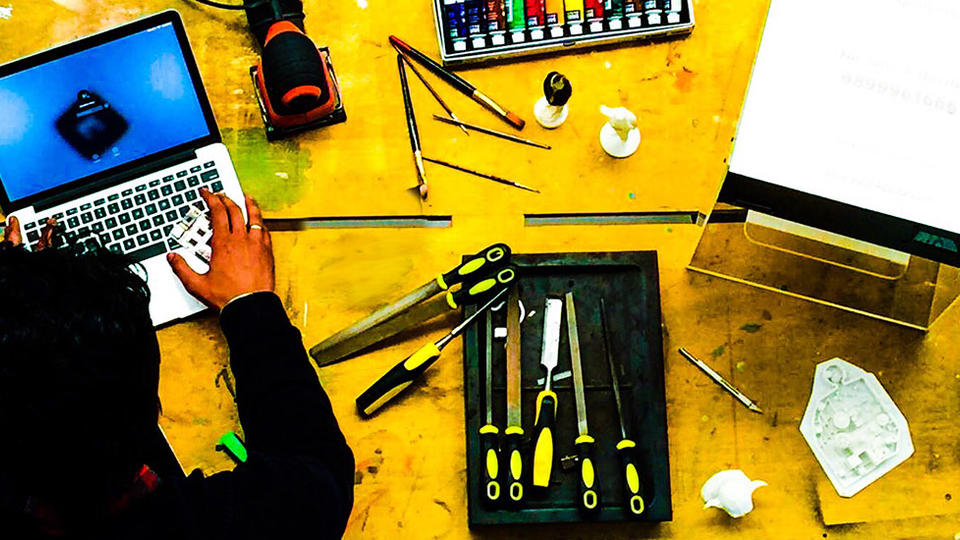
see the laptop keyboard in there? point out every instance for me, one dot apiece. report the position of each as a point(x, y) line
point(136, 221)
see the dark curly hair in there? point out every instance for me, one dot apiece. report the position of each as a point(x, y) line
point(79, 369)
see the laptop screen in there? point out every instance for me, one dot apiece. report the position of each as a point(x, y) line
point(96, 109)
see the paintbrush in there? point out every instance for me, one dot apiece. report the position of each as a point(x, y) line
point(482, 175)
point(489, 131)
point(457, 82)
point(412, 130)
point(432, 91)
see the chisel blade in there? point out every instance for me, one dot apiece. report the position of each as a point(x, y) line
point(513, 357)
point(387, 312)
point(574, 338)
point(411, 318)
point(550, 349)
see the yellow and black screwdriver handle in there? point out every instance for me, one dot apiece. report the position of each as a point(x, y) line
point(490, 450)
point(512, 439)
point(589, 501)
point(484, 262)
point(397, 379)
point(482, 287)
point(543, 432)
point(633, 489)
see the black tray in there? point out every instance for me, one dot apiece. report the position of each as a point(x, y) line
point(628, 282)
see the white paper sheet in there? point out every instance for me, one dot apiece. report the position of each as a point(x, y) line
point(859, 102)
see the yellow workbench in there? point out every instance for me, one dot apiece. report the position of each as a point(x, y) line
point(410, 478)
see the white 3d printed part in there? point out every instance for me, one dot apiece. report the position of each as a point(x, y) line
point(853, 427)
point(731, 491)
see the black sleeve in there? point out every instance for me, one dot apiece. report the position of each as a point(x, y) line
point(300, 469)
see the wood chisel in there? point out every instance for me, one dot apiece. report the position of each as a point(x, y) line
point(513, 435)
point(626, 448)
point(489, 434)
point(403, 374)
point(589, 488)
point(546, 416)
point(482, 263)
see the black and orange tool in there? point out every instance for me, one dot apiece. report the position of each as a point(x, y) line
point(626, 448)
point(294, 81)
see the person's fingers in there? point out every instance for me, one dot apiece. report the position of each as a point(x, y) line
point(255, 219)
point(192, 281)
point(254, 215)
point(236, 216)
point(46, 237)
point(218, 214)
point(12, 232)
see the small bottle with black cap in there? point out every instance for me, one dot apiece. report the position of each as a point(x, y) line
point(551, 110)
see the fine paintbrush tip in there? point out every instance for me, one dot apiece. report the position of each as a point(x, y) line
point(515, 120)
point(420, 190)
point(753, 407)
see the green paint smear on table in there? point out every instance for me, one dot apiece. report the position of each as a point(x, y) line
point(751, 327)
point(271, 172)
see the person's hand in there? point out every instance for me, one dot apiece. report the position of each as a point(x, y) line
point(241, 257)
point(12, 233)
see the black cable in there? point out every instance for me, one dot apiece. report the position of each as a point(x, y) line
point(237, 7)
point(211, 3)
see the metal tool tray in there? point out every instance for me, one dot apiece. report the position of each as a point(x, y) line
point(489, 52)
point(628, 282)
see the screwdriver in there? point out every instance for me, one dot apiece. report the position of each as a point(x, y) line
point(403, 374)
point(626, 447)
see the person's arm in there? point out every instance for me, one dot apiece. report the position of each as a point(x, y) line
point(300, 469)
point(282, 406)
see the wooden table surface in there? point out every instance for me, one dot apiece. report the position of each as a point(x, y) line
point(410, 478)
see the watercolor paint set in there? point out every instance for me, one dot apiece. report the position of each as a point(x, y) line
point(482, 31)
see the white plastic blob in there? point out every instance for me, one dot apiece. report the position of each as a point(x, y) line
point(619, 137)
point(730, 491)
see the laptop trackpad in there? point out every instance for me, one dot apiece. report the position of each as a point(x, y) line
point(168, 299)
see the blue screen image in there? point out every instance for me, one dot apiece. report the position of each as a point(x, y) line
point(95, 110)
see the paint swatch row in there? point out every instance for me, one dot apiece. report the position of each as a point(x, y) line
point(474, 29)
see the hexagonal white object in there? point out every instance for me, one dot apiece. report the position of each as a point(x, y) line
point(853, 427)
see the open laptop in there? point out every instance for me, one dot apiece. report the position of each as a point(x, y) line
point(113, 136)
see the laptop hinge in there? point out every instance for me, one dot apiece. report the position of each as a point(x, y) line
point(114, 179)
